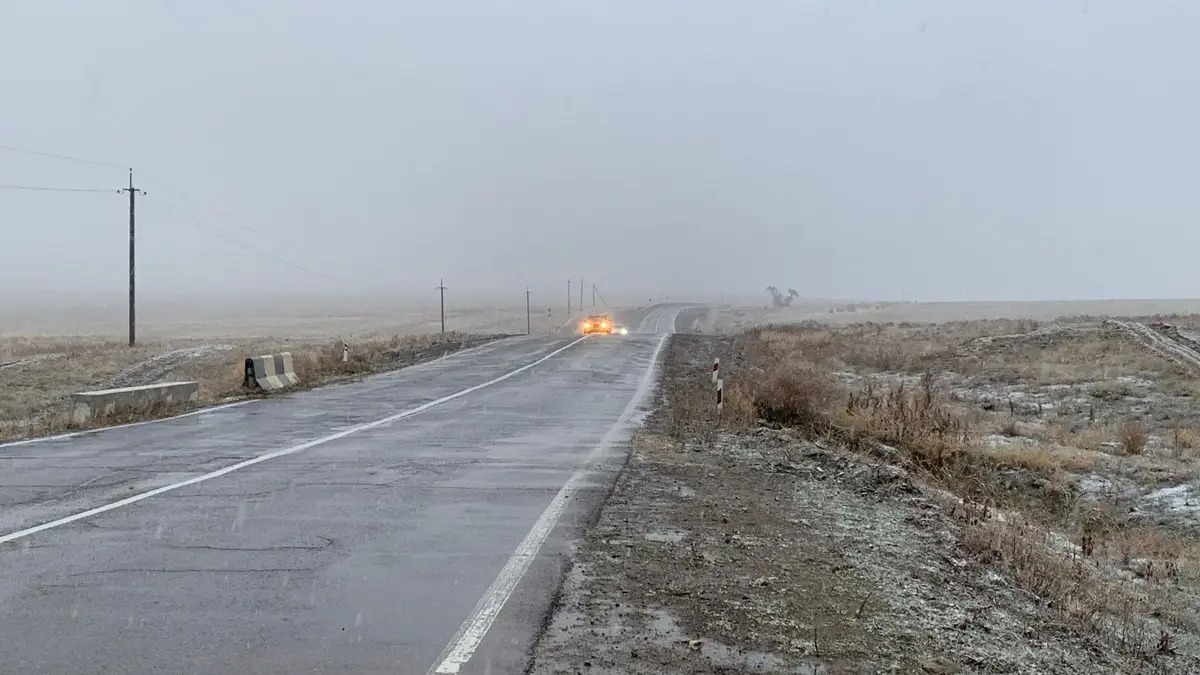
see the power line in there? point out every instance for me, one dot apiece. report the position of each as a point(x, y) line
point(196, 203)
point(199, 225)
point(42, 188)
point(231, 237)
point(55, 155)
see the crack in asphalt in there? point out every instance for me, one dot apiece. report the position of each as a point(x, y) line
point(194, 570)
point(224, 494)
point(328, 542)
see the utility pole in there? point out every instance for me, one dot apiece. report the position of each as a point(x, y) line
point(133, 192)
point(528, 320)
point(442, 294)
point(593, 294)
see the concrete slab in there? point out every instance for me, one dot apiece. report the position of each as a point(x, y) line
point(90, 405)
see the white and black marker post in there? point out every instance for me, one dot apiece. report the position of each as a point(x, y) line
point(345, 351)
point(720, 396)
point(716, 372)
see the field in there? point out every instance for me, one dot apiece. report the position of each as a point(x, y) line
point(850, 312)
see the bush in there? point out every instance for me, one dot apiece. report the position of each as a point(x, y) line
point(795, 394)
point(1132, 437)
point(915, 420)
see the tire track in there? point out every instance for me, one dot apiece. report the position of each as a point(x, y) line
point(1165, 345)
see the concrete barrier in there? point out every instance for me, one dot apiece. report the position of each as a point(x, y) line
point(270, 372)
point(91, 405)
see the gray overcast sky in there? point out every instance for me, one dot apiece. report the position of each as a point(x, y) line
point(949, 150)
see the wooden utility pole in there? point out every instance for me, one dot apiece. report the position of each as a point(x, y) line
point(528, 319)
point(133, 193)
point(441, 288)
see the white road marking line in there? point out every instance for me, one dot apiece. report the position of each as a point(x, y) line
point(469, 636)
point(85, 432)
point(278, 453)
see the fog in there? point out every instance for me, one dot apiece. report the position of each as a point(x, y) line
point(931, 150)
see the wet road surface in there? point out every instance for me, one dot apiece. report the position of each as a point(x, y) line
point(414, 522)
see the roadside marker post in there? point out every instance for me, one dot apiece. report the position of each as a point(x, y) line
point(345, 351)
point(716, 370)
point(720, 397)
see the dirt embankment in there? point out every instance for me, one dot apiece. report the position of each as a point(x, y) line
point(808, 546)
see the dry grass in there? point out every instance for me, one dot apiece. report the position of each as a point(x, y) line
point(1093, 436)
point(1010, 427)
point(740, 409)
point(1182, 440)
point(1111, 391)
point(1133, 436)
point(919, 421)
point(1081, 354)
point(1078, 561)
point(1050, 461)
point(877, 347)
point(1122, 611)
point(34, 397)
point(795, 394)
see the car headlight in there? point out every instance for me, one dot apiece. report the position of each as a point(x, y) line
point(624, 331)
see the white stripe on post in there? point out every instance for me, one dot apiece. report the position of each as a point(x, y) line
point(716, 370)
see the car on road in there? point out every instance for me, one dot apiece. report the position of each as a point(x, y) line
point(620, 329)
point(597, 323)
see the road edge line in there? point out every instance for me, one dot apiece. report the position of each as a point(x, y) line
point(472, 631)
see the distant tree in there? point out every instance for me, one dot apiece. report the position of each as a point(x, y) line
point(777, 299)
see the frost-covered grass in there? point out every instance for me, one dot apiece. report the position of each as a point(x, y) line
point(1070, 447)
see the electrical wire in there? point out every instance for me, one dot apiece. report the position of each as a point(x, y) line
point(196, 224)
point(55, 155)
point(42, 188)
point(229, 238)
point(157, 183)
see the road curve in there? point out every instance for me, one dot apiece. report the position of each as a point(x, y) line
point(414, 522)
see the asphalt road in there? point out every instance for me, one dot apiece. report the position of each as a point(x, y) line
point(414, 522)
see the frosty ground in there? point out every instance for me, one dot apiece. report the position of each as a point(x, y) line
point(1000, 496)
